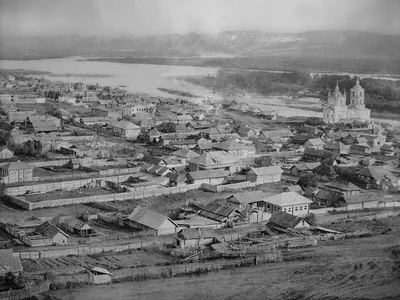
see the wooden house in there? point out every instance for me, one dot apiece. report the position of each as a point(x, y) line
point(345, 188)
point(6, 153)
point(289, 202)
point(54, 234)
point(377, 177)
point(225, 214)
point(195, 237)
point(144, 219)
point(264, 174)
point(283, 220)
point(246, 200)
point(360, 201)
point(213, 177)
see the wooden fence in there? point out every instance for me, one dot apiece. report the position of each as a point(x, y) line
point(139, 193)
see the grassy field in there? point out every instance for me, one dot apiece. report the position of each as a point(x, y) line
point(367, 268)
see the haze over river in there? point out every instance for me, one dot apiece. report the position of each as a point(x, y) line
point(141, 78)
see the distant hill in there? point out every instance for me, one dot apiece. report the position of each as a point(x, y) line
point(318, 44)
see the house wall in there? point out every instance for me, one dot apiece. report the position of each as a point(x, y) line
point(302, 224)
point(99, 279)
point(20, 175)
point(260, 179)
point(60, 239)
point(5, 154)
point(167, 228)
point(212, 181)
point(354, 206)
point(296, 210)
point(194, 242)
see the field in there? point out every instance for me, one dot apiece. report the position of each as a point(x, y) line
point(367, 268)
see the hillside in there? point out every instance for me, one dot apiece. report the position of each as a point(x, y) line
point(298, 48)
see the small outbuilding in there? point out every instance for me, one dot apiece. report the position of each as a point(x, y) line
point(284, 220)
point(195, 237)
point(99, 275)
point(360, 201)
point(145, 219)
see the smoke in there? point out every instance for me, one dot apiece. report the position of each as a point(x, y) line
point(153, 17)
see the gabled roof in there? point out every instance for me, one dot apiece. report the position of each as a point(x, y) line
point(271, 170)
point(215, 158)
point(378, 173)
point(49, 230)
point(148, 218)
point(185, 153)
point(364, 197)
point(5, 148)
point(288, 198)
point(284, 220)
point(126, 125)
point(293, 188)
point(207, 174)
point(231, 145)
point(247, 197)
point(336, 146)
point(316, 142)
point(217, 211)
point(344, 186)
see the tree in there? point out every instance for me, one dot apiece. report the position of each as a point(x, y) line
point(308, 180)
point(167, 127)
point(263, 161)
point(313, 121)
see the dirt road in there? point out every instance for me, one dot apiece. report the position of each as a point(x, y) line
point(367, 268)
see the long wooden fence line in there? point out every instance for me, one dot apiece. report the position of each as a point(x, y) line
point(25, 292)
point(139, 193)
point(149, 272)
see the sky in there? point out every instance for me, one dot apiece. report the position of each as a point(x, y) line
point(156, 17)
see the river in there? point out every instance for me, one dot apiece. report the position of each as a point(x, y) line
point(140, 78)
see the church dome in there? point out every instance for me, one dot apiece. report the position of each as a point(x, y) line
point(357, 87)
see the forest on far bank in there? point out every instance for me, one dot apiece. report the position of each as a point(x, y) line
point(380, 95)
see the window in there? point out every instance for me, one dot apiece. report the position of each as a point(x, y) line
point(305, 207)
point(284, 209)
point(268, 205)
point(301, 207)
point(296, 208)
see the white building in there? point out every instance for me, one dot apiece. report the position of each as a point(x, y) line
point(337, 109)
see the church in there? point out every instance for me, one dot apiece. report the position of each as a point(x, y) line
point(338, 111)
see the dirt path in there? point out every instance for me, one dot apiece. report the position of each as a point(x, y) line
point(345, 269)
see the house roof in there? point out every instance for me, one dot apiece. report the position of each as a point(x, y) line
point(363, 197)
point(16, 165)
point(217, 211)
point(285, 220)
point(277, 133)
point(344, 186)
point(378, 173)
point(9, 262)
point(287, 198)
point(316, 142)
point(185, 153)
point(247, 197)
point(5, 148)
point(231, 145)
point(148, 217)
point(174, 177)
point(100, 270)
point(215, 158)
point(49, 230)
point(206, 174)
point(126, 125)
point(196, 233)
point(271, 170)
point(293, 188)
point(337, 146)
point(329, 196)
point(320, 153)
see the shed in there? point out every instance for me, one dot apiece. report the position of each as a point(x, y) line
point(55, 234)
point(99, 275)
point(360, 201)
point(217, 211)
point(195, 237)
point(213, 177)
point(146, 219)
point(242, 200)
point(284, 220)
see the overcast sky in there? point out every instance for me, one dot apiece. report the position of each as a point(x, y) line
point(153, 17)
